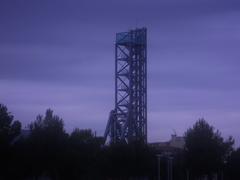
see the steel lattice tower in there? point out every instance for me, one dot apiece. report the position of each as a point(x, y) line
point(128, 121)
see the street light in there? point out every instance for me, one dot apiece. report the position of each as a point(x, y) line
point(170, 168)
point(159, 158)
point(222, 172)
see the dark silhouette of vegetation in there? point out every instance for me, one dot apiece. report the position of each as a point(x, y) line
point(128, 161)
point(47, 151)
point(232, 167)
point(9, 129)
point(205, 150)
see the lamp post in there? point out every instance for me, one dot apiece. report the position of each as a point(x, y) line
point(187, 171)
point(159, 158)
point(170, 159)
point(223, 168)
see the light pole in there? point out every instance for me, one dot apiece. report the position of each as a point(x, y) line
point(187, 174)
point(159, 158)
point(170, 168)
point(223, 168)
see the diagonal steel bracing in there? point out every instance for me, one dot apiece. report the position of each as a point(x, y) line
point(128, 121)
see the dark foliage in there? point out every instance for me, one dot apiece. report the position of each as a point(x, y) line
point(205, 149)
point(46, 150)
point(121, 160)
point(233, 166)
point(9, 130)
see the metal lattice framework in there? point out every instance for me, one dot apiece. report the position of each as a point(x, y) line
point(128, 121)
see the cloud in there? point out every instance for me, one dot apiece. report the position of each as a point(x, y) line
point(54, 64)
point(79, 106)
point(60, 54)
point(179, 121)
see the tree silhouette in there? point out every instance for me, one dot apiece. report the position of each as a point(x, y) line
point(48, 143)
point(233, 166)
point(82, 135)
point(84, 149)
point(48, 151)
point(51, 125)
point(9, 130)
point(205, 149)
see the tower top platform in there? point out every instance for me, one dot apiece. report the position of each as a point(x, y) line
point(136, 36)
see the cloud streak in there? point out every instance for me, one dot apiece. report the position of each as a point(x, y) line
point(60, 54)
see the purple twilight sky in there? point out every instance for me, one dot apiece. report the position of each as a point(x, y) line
point(60, 55)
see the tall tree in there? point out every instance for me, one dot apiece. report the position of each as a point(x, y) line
point(233, 166)
point(206, 151)
point(82, 135)
point(9, 128)
point(50, 124)
point(84, 151)
point(47, 141)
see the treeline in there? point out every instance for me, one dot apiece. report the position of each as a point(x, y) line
point(47, 151)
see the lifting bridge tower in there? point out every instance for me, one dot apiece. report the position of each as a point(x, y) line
point(128, 120)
